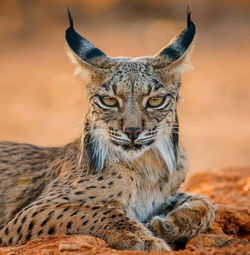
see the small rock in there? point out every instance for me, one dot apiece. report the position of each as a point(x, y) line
point(208, 240)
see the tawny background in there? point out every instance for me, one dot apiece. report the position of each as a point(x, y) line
point(41, 102)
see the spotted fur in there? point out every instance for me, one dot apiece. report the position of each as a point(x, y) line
point(119, 181)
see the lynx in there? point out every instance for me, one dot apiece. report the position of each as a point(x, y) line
point(119, 181)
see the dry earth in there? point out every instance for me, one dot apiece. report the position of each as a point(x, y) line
point(229, 235)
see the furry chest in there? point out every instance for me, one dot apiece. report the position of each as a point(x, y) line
point(146, 198)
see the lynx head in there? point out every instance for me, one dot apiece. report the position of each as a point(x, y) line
point(132, 101)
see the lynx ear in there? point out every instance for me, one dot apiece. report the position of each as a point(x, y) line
point(178, 48)
point(83, 50)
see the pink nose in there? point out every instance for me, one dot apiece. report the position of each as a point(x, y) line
point(132, 132)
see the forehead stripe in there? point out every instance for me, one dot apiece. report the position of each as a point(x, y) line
point(105, 86)
point(157, 85)
point(114, 87)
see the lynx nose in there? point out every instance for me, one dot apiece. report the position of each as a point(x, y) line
point(132, 132)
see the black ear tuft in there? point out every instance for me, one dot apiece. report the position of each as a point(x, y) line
point(71, 23)
point(181, 43)
point(81, 47)
point(190, 24)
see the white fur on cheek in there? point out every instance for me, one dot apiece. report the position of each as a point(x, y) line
point(164, 147)
point(102, 149)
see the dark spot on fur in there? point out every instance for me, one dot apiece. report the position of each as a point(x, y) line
point(34, 214)
point(40, 232)
point(45, 221)
point(119, 194)
point(91, 187)
point(108, 211)
point(6, 231)
point(24, 219)
point(74, 213)
point(100, 178)
point(78, 193)
point(59, 216)
point(31, 225)
point(85, 222)
point(19, 229)
point(28, 237)
point(10, 241)
point(69, 224)
point(66, 209)
point(51, 231)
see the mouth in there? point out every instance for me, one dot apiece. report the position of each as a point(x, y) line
point(132, 146)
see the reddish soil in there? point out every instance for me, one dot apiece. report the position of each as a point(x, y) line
point(230, 233)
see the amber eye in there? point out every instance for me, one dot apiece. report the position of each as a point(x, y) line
point(155, 101)
point(109, 101)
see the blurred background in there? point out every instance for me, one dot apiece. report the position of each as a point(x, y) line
point(41, 102)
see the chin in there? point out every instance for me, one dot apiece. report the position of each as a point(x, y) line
point(130, 153)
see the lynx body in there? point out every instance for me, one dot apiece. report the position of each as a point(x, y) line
point(119, 181)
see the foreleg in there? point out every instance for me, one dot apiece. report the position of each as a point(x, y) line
point(108, 223)
point(182, 216)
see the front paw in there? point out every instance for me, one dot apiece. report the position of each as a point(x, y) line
point(162, 228)
point(156, 244)
point(131, 241)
